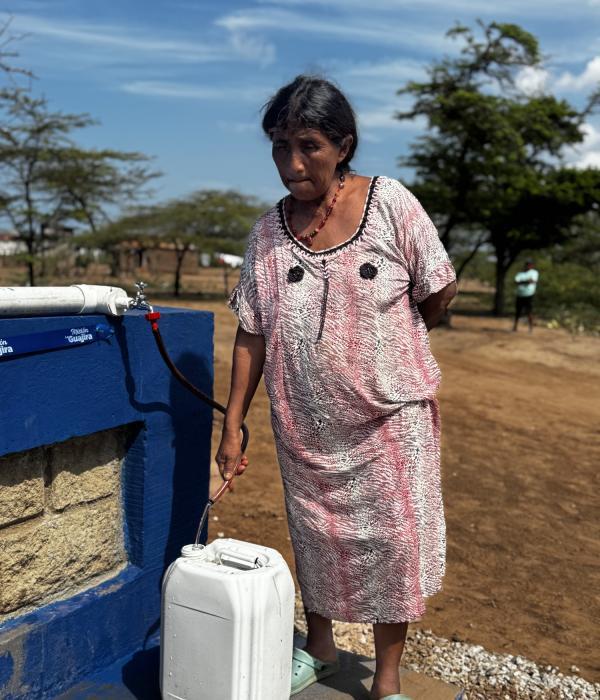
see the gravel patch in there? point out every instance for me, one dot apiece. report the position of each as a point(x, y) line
point(483, 674)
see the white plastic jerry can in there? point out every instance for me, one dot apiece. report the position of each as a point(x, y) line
point(227, 624)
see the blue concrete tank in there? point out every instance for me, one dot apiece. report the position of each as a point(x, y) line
point(52, 395)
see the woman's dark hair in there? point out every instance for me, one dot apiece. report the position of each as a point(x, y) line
point(312, 102)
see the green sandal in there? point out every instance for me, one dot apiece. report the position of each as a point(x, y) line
point(307, 670)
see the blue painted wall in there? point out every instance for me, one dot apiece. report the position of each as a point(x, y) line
point(48, 397)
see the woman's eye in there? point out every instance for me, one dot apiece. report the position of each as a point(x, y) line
point(310, 146)
point(279, 145)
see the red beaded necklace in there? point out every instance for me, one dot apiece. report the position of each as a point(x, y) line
point(307, 238)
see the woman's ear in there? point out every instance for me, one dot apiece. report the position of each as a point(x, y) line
point(345, 147)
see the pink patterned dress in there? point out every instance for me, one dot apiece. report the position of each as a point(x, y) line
point(352, 385)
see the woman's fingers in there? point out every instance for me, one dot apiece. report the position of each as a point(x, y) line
point(243, 464)
point(229, 466)
point(237, 467)
point(230, 461)
point(229, 473)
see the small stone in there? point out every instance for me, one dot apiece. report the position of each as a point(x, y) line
point(220, 534)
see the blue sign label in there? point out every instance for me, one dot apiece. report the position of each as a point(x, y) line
point(52, 340)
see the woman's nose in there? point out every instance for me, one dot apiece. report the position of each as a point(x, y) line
point(296, 162)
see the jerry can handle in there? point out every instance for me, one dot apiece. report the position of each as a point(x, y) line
point(240, 560)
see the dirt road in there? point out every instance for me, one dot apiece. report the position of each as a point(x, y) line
point(521, 452)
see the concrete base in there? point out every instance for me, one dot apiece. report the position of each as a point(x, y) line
point(354, 681)
point(355, 685)
point(136, 678)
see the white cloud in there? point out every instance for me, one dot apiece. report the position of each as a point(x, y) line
point(378, 118)
point(589, 160)
point(165, 89)
point(112, 37)
point(478, 7)
point(189, 91)
point(592, 135)
point(370, 137)
point(588, 79)
point(586, 154)
point(396, 70)
point(348, 29)
point(383, 118)
point(253, 48)
point(532, 81)
point(379, 82)
point(399, 24)
point(136, 45)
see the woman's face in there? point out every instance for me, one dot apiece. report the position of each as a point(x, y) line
point(307, 160)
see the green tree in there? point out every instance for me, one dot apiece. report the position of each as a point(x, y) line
point(7, 39)
point(490, 164)
point(47, 181)
point(207, 220)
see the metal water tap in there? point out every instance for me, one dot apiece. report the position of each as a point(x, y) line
point(139, 301)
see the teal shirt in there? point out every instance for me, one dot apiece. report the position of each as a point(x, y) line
point(526, 282)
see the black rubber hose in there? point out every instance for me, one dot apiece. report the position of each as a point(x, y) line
point(189, 386)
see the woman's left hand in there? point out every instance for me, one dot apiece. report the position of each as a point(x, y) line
point(434, 307)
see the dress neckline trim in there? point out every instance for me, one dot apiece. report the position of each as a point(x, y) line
point(327, 251)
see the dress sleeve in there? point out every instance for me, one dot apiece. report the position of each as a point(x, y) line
point(244, 299)
point(429, 266)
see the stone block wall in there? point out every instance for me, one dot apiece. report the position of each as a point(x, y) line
point(61, 521)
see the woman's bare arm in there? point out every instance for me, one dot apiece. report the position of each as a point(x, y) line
point(246, 371)
point(435, 306)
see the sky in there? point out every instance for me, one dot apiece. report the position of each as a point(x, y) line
point(184, 81)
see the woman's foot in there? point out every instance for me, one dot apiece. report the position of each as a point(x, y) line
point(326, 653)
point(389, 644)
point(319, 642)
point(380, 688)
point(307, 669)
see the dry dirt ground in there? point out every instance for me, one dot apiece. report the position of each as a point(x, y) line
point(521, 452)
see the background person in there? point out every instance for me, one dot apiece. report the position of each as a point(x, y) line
point(340, 283)
point(526, 281)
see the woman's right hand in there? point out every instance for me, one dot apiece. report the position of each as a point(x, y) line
point(247, 366)
point(229, 455)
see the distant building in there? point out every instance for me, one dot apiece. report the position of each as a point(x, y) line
point(11, 244)
point(135, 256)
point(57, 233)
point(227, 259)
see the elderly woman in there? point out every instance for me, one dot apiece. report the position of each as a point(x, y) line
point(341, 281)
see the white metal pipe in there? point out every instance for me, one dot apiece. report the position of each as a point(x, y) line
point(77, 299)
